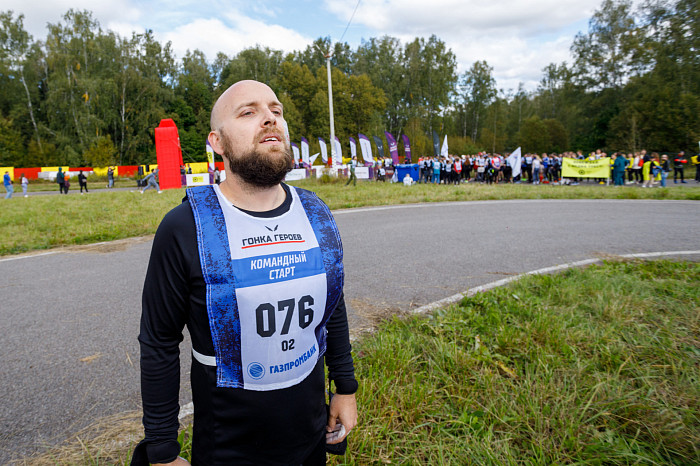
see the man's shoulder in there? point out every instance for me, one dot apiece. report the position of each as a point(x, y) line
point(178, 220)
point(306, 195)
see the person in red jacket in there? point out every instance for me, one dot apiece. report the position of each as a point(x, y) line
point(678, 166)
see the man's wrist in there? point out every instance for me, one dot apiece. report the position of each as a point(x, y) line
point(345, 386)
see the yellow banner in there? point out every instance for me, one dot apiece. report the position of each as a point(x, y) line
point(574, 168)
point(102, 171)
point(151, 166)
point(198, 167)
point(10, 171)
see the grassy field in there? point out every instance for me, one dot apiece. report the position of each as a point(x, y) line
point(42, 222)
point(592, 366)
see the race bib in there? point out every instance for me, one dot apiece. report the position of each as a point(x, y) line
point(269, 293)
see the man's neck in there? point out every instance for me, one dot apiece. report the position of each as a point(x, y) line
point(249, 197)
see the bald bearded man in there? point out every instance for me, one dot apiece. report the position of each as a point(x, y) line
point(254, 269)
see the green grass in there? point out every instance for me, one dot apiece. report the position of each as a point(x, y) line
point(594, 366)
point(591, 366)
point(41, 222)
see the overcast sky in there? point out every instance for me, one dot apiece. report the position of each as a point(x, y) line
point(516, 37)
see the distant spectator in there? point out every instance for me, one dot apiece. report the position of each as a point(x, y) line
point(7, 182)
point(61, 180)
point(351, 166)
point(665, 169)
point(82, 181)
point(536, 169)
point(619, 165)
point(25, 185)
point(110, 177)
point(66, 183)
point(407, 180)
point(678, 166)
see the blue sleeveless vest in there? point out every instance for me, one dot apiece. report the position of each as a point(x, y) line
point(272, 284)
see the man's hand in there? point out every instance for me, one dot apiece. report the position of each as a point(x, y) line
point(179, 461)
point(343, 410)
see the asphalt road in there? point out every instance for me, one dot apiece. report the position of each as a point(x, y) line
point(69, 318)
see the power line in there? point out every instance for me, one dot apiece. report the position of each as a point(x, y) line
point(350, 21)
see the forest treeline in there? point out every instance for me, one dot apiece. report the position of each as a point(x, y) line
point(86, 96)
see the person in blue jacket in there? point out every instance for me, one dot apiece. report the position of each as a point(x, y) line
point(7, 182)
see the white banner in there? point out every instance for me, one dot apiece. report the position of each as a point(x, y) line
point(353, 148)
point(296, 174)
point(305, 152)
point(324, 150)
point(362, 173)
point(197, 179)
point(297, 155)
point(444, 150)
point(338, 160)
point(366, 148)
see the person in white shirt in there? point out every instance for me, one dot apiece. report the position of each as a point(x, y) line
point(25, 185)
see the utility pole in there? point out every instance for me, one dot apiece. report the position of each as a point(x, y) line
point(330, 105)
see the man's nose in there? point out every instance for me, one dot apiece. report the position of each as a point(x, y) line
point(270, 119)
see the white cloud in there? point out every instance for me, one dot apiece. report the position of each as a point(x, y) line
point(208, 25)
point(517, 38)
point(452, 17)
point(214, 35)
point(38, 14)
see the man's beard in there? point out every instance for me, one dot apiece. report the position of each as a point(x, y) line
point(259, 169)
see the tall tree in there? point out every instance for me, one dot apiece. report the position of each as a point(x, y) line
point(605, 55)
point(477, 91)
point(15, 43)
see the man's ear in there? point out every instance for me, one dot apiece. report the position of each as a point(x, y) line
point(215, 142)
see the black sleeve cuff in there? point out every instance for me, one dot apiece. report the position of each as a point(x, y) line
point(345, 386)
point(163, 452)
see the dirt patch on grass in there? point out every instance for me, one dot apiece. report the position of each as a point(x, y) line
point(107, 441)
point(108, 246)
point(369, 315)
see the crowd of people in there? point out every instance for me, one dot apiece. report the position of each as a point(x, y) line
point(640, 168)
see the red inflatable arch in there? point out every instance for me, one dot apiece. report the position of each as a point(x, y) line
point(169, 154)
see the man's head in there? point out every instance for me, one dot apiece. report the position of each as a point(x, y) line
point(248, 130)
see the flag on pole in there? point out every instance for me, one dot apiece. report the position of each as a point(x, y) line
point(393, 148)
point(444, 152)
point(305, 152)
point(366, 147)
point(407, 148)
point(436, 143)
point(353, 148)
point(295, 150)
point(324, 150)
point(380, 146)
point(515, 161)
point(338, 152)
point(313, 158)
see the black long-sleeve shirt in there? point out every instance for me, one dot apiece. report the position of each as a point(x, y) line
point(230, 425)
